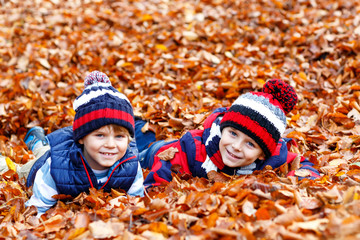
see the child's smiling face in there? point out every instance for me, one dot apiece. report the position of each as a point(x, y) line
point(104, 146)
point(238, 149)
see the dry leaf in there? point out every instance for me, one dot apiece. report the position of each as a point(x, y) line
point(218, 176)
point(168, 154)
point(176, 62)
point(302, 173)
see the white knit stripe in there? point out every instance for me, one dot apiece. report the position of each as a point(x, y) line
point(263, 110)
point(98, 84)
point(266, 102)
point(85, 98)
point(208, 165)
point(214, 131)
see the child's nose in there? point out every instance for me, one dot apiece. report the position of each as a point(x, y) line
point(237, 146)
point(110, 142)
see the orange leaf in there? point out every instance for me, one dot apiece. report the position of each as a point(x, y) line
point(262, 214)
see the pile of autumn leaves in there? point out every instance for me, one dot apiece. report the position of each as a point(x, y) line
point(262, 205)
point(176, 62)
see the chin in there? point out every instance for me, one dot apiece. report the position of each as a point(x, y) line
point(231, 164)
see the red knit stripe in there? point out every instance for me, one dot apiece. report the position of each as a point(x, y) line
point(217, 160)
point(252, 126)
point(103, 113)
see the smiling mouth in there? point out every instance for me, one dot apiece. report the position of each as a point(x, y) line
point(108, 154)
point(232, 155)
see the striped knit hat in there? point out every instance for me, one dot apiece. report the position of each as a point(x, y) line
point(261, 115)
point(101, 104)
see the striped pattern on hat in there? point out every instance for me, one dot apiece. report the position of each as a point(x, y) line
point(261, 115)
point(101, 104)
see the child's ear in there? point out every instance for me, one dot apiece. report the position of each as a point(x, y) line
point(81, 141)
point(262, 157)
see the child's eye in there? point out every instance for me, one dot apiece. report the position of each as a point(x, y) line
point(233, 133)
point(251, 144)
point(120, 136)
point(99, 135)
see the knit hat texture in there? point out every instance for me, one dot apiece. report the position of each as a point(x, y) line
point(262, 115)
point(101, 104)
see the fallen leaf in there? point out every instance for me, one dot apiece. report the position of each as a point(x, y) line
point(168, 154)
point(218, 176)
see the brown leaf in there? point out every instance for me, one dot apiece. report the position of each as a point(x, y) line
point(218, 177)
point(168, 154)
point(62, 197)
point(295, 164)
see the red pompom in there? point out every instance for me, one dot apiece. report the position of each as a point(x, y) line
point(283, 92)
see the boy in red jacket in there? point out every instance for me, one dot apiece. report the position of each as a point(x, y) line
point(235, 140)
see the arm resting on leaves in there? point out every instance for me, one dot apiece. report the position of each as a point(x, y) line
point(43, 189)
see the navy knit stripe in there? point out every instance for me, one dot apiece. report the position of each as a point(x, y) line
point(211, 151)
point(105, 103)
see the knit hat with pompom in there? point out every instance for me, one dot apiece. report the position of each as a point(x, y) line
point(101, 104)
point(261, 115)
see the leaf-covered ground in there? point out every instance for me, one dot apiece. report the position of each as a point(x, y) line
point(176, 61)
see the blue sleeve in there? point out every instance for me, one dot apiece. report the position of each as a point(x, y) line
point(37, 165)
point(43, 190)
point(143, 139)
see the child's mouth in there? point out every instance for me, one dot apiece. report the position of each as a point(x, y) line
point(107, 154)
point(232, 155)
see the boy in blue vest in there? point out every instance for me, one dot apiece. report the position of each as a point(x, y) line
point(94, 153)
point(236, 140)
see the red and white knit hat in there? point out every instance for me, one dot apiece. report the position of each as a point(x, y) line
point(101, 104)
point(261, 115)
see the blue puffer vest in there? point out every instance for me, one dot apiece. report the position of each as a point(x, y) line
point(72, 175)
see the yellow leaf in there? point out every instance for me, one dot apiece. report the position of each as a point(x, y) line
point(71, 112)
point(126, 64)
point(11, 165)
point(340, 173)
point(146, 17)
point(76, 232)
point(356, 196)
point(161, 47)
point(261, 81)
point(303, 75)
